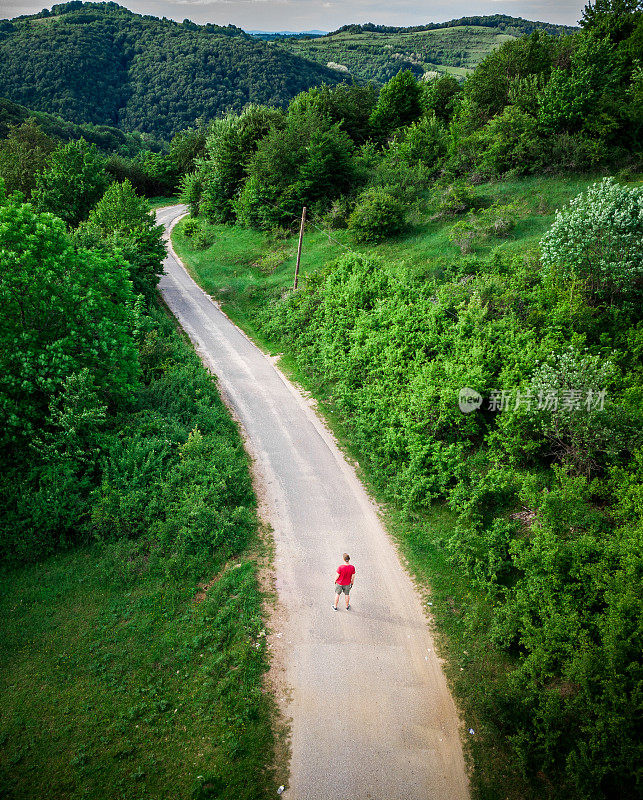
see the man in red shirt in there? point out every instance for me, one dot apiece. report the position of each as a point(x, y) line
point(344, 581)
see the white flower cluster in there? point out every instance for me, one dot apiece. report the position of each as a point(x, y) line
point(598, 238)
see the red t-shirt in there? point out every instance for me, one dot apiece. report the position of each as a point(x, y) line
point(346, 571)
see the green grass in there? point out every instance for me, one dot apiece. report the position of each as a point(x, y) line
point(126, 672)
point(120, 690)
point(244, 268)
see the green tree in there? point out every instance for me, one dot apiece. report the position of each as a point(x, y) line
point(327, 170)
point(423, 141)
point(23, 155)
point(489, 85)
point(186, 146)
point(64, 310)
point(614, 19)
point(398, 104)
point(229, 148)
point(307, 163)
point(351, 105)
point(571, 100)
point(72, 183)
point(121, 223)
point(439, 97)
point(160, 172)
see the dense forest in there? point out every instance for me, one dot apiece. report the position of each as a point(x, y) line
point(106, 137)
point(531, 494)
point(99, 63)
point(516, 26)
point(30, 139)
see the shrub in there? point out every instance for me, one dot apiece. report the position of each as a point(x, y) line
point(398, 104)
point(495, 221)
point(191, 190)
point(598, 239)
point(23, 154)
point(376, 216)
point(458, 198)
point(338, 214)
point(424, 141)
point(190, 227)
point(63, 310)
point(582, 424)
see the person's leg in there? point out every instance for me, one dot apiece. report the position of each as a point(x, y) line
point(336, 599)
point(347, 595)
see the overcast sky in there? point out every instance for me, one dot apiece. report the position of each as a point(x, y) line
point(296, 15)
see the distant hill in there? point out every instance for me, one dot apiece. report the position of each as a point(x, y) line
point(377, 52)
point(287, 33)
point(102, 64)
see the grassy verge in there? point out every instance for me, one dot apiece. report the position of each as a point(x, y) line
point(135, 668)
point(246, 270)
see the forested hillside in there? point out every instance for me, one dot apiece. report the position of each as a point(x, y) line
point(470, 315)
point(102, 64)
point(106, 137)
point(378, 52)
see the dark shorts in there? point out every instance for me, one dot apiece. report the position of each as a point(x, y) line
point(345, 589)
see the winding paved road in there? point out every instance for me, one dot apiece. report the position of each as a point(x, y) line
point(372, 717)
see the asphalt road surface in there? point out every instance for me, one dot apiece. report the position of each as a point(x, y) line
point(371, 715)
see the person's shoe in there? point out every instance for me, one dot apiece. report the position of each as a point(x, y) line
point(348, 606)
point(334, 606)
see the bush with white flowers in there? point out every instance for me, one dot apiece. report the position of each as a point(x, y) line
point(598, 238)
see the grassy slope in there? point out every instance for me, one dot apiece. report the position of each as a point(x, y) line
point(123, 681)
point(378, 56)
point(245, 269)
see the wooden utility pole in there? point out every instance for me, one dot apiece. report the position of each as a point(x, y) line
point(301, 239)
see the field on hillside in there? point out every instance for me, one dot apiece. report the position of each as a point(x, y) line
point(379, 56)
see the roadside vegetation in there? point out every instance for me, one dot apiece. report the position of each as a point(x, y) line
point(474, 237)
point(31, 142)
point(132, 653)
